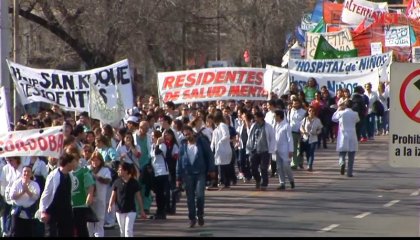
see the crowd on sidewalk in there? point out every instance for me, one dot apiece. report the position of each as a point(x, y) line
point(109, 176)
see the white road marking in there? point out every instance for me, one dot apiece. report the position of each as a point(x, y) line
point(416, 193)
point(329, 228)
point(380, 196)
point(362, 215)
point(391, 203)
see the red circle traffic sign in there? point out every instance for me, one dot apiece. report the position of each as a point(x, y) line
point(413, 112)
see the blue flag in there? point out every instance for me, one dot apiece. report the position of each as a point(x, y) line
point(318, 11)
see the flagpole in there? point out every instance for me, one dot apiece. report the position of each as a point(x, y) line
point(5, 80)
point(15, 50)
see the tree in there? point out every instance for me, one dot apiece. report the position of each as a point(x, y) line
point(158, 35)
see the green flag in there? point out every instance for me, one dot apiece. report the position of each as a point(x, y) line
point(324, 50)
point(320, 27)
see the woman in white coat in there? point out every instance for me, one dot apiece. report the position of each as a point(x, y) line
point(220, 145)
point(347, 137)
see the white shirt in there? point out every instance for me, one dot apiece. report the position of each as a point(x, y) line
point(158, 161)
point(8, 176)
point(284, 138)
point(295, 118)
point(24, 200)
point(192, 152)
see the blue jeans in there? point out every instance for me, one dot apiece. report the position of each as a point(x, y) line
point(342, 161)
point(195, 185)
point(310, 152)
point(244, 164)
point(370, 125)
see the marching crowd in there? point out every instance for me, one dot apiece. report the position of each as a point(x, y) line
point(109, 176)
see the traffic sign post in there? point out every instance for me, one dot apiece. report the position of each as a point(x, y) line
point(404, 118)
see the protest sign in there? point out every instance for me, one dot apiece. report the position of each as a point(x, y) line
point(212, 84)
point(382, 62)
point(397, 36)
point(70, 90)
point(98, 109)
point(279, 79)
point(336, 81)
point(354, 11)
point(340, 40)
point(35, 142)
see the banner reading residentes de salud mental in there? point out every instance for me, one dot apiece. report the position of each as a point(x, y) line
point(212, 84)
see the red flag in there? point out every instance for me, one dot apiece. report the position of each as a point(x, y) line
point(246, 56)
point(413, 10)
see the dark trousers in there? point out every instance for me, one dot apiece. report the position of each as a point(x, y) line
point(259, 166)
point(171, 194)
point(60, 226)
point(80, 223)
point(159, 186)
point(22, 227)
point(224, 174)
point(244, 164)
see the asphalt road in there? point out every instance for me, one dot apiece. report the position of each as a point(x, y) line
point(379, 201)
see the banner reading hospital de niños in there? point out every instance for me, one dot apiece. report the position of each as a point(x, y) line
point(212, 84)
point(70, 90)
point(35, 142)
point(381, 62)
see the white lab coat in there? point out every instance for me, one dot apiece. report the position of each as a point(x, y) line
point(346, 137)
point(220, 144)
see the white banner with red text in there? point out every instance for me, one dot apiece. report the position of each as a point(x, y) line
point(35, 142)
point(211, 84)
point(354, 11)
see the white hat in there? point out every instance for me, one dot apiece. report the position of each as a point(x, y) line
point(132, 119)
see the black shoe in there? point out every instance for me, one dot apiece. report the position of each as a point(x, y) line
point(293, 167)
point(301, 166)
point(282, 187)
point(257, 185)
point(343, 169)
point(292, 185)
point(351, 175)
point(192, 223)
point(309, 169)
point(200, 221)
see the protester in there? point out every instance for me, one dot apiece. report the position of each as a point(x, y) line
point(195, 162)
point(125, 191)
point(347, 143)
point(11, 172)
point(102, 177)
point(160, 179)
point(260, 146)
point(220, 145)
point(56, 199)
point(310, 129)
point(284, 150)
point(24, 193)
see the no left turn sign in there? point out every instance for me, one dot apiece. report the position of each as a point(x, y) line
point(410, 96)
